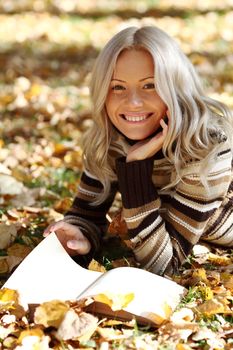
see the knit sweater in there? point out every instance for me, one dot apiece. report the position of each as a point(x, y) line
point(163, 225)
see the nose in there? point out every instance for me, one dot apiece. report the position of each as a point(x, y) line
point(134, 99)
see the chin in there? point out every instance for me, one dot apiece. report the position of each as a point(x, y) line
point(137, 137)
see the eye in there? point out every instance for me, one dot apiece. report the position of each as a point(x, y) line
point(149, 86)
point(117, 87)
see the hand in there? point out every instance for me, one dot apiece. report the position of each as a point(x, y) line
point(146, 149)
point(70, 236)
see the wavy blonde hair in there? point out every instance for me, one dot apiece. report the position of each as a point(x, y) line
point(195, 117)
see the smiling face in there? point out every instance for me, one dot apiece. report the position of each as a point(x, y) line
point(132, 104)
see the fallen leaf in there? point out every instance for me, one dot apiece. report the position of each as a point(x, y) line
point(18, 250)
point(118, 226)
point(74, 326)
point(13, 261)
point(219, 260)
point(158, 319)
point(8, 234)
point(51, 313)
point(96, 266)
point(115, 301)
point(4, 268)
point(211, 307)
point(8, 295)
point(30, 332)
point(182, 316)
point(227, 281)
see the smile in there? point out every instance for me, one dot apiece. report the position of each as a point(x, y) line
point(135, 117)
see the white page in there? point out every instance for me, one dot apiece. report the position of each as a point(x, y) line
point(151, 292)
point(48, 272)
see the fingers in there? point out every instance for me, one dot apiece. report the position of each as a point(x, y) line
point(60, 226)
point(53, 228)
point(70, 236)
point(80, 246)
point(163, 124)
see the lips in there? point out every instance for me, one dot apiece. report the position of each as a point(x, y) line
point(135, 117)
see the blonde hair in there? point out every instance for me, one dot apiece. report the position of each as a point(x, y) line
point(196, 119)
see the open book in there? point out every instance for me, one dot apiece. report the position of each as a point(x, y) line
point(48, 272)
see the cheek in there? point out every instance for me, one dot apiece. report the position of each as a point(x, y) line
point(160, 105)
point(111, 104)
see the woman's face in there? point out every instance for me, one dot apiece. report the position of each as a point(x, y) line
point(132, 104)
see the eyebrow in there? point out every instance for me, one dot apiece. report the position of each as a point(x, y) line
point(139, 80)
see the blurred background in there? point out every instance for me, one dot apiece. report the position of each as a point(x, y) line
point(47, 49)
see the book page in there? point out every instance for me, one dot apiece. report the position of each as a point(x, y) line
point(48, 272)
point(152, 293)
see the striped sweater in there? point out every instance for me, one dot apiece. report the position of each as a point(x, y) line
point(163, 226)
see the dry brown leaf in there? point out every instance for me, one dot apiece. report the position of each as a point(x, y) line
point(13, 261)
point(19, 250)
point(63, 205)
point(211, 307)
point(118, 226)
point(4, 268)
point(8, 234)
point(227, 281)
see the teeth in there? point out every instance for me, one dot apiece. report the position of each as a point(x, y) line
point(135, 118)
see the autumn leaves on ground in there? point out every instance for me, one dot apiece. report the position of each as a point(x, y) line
point(47, 49)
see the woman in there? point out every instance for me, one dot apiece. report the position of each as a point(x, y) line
point(163, 144)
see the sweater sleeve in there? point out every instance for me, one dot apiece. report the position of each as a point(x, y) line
point(163, 228)
point(89, 217)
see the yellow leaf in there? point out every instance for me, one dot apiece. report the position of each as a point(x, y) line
point(206, 292)
point(219, 260)
point(96, 266)
point(200, 275)
point(115, 301)
point(37, 332)
point(8, 295)
point(183, 347)
point(51, 313)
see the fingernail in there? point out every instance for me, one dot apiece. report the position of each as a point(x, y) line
point(72, 244)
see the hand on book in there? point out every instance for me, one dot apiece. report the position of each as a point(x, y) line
point(70, 236)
